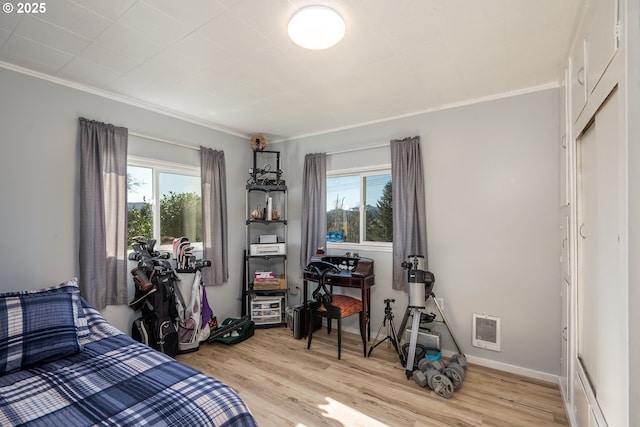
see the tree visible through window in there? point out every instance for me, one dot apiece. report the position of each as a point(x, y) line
point(179, 212)
point(379, 220)
point(359, 208)
point(139, 213)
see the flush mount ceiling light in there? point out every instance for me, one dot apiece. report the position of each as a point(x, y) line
point(316, 27)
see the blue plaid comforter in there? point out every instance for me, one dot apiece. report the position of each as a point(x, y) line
point(116, 381)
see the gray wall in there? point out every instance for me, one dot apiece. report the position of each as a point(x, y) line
point(492, 189)
point(39, 182)
point(491, 172)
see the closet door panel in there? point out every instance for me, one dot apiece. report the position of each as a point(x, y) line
point(602, 41)
point(602, 330)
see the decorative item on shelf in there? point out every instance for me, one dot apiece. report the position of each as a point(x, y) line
point(269, 212)
point(258, 212)
point(258, 143)
point(320, 251)
point(275, 214)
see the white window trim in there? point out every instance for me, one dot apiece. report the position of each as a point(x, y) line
point(365, 246)
point(162, 166)
point(165, 166)
point(368, 246)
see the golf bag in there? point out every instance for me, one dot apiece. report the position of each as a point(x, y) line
point(194, 313)
point(154, 280)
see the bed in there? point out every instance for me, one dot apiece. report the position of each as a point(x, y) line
point(63, 364)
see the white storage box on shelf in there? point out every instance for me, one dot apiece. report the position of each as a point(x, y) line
point(268, 249)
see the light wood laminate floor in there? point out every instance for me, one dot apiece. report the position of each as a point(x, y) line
point(284, 384)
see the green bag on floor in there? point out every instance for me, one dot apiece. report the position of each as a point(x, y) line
point(244, 330)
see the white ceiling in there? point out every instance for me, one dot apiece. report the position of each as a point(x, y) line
point(229, 64)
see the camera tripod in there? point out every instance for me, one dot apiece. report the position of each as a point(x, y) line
point(392, 336)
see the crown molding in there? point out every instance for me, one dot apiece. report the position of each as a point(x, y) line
point(123, 99)
point(494, 97)
point(214, 126)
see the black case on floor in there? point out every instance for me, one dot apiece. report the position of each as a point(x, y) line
point(300, 322)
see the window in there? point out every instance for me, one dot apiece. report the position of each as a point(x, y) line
point(359, 207)
point(164, 201)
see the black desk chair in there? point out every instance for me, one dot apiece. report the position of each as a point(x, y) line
point(330, 306)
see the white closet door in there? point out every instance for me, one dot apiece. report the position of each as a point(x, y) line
point(602, 331)
point(602, 41)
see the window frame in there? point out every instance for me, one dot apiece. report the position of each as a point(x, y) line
point(157, 167)
point(361, 172)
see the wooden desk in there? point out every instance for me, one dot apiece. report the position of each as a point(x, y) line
point(362, 278)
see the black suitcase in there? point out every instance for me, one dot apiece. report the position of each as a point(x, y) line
point(300, 322)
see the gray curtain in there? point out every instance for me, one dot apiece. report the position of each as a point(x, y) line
point(214, 215)
point(314, 206)
point(103, 214)
point(409, 212)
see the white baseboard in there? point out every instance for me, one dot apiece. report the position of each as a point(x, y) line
point(506, 367)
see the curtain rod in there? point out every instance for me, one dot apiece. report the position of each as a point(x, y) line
point(164, 141)
point(349, 150)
